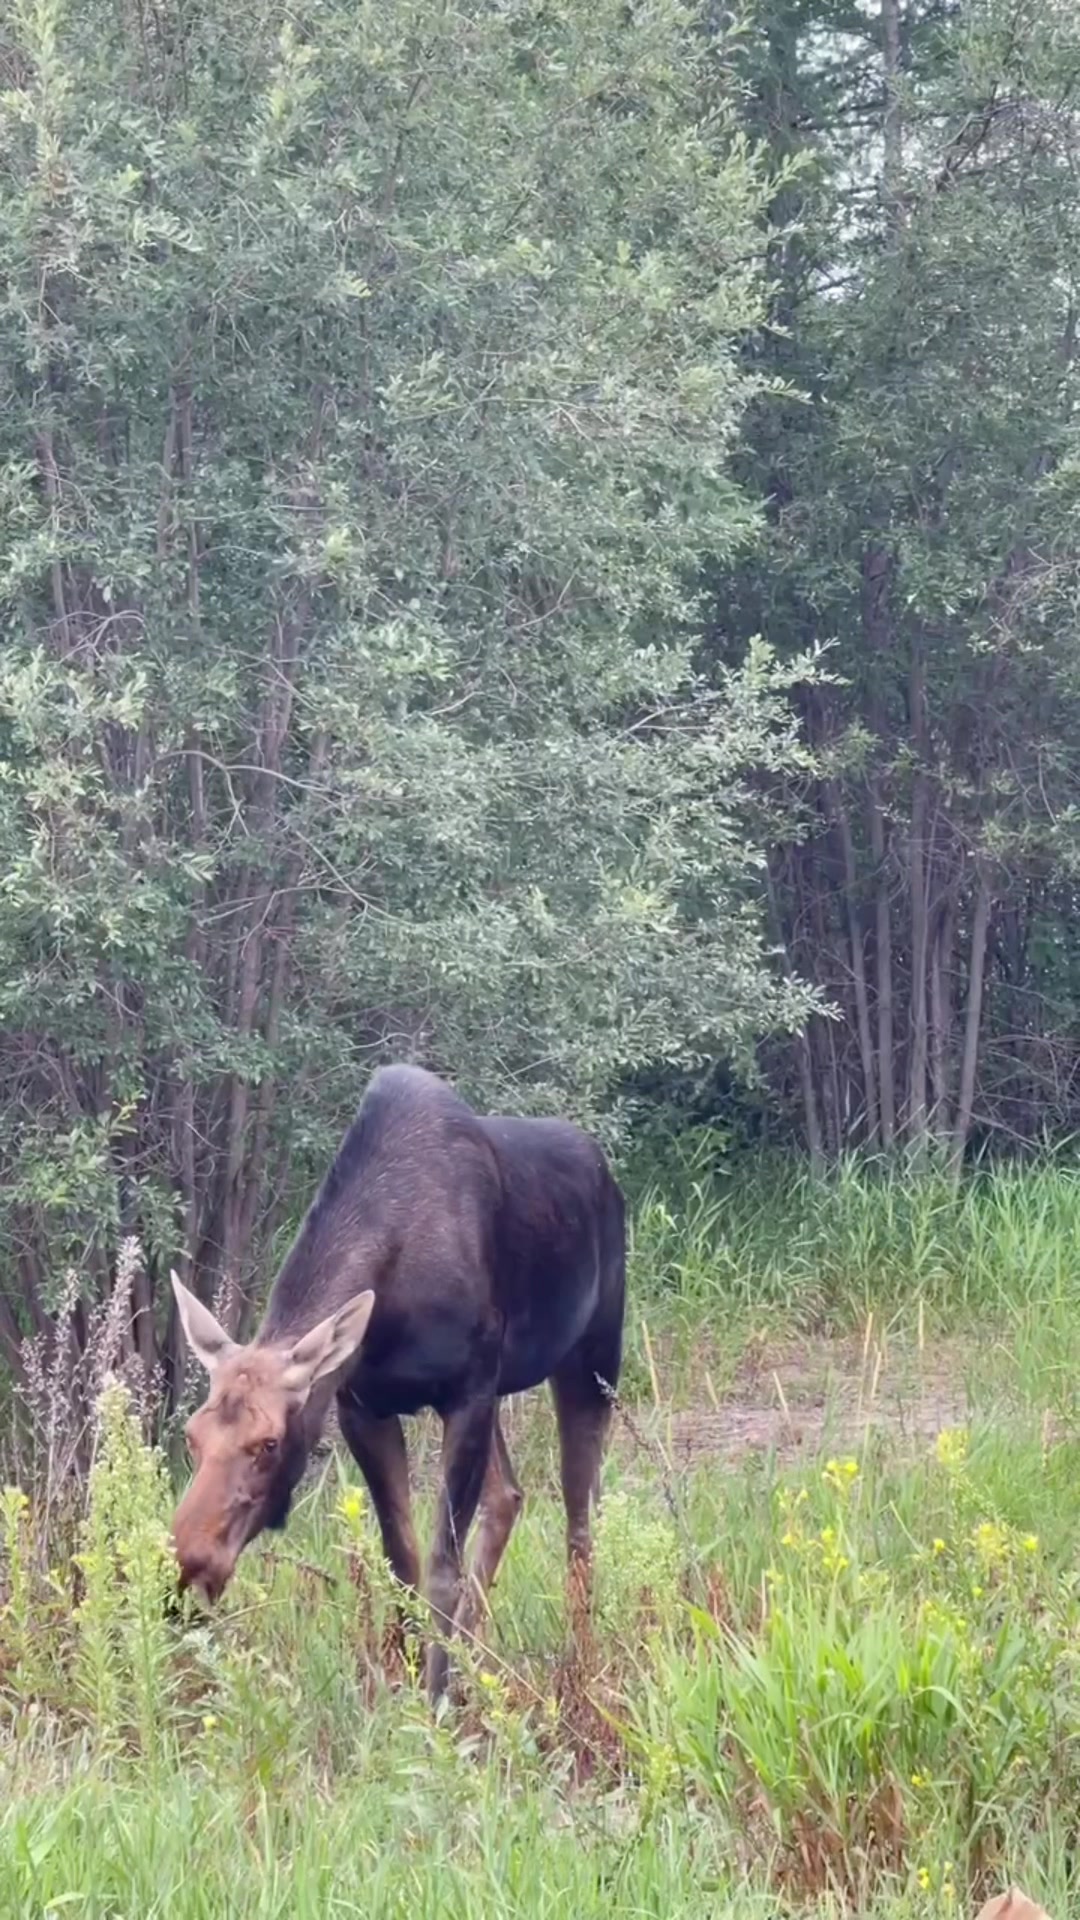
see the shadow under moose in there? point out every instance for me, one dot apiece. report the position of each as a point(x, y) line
point(448, 1259)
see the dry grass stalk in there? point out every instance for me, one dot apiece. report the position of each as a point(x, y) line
point(66, 1368)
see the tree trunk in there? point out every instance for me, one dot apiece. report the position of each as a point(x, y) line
point(858, 963)
point(919, 1028)
point(893, 129)
point(874, 612)
point(941, 1016)
point(804, 1055)
point(970, 1059)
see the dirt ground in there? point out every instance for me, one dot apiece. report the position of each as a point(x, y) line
point(794, 1398)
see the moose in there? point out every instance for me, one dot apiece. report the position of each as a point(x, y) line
point(448, 1259)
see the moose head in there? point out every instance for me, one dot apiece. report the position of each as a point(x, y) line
point(250, 1440)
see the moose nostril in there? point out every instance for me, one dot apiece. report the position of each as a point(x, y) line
point(206, 1574)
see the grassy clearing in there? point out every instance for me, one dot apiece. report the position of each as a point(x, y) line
point(723, 1249)
point(840, 1677)
point(858, 1680)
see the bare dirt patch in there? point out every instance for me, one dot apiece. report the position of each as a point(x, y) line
point(793, 1398)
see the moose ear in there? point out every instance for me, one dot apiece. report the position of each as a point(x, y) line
point(208, 1342)
point(329, 1345)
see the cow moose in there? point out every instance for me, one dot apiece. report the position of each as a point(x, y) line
point(448, 1259)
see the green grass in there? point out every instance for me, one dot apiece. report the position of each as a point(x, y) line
point(721, 1247)
point(785, 1653)
point(815, 1684)
point(747, 1236)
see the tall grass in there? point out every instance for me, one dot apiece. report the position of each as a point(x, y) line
point(851, 1685)
point(750, 1235)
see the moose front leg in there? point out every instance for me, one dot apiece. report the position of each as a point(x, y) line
point(378, 1447)
point(466, 1448)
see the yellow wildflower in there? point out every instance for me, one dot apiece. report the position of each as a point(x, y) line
point(951, 1447)
point(938, 1546)
point(352, 1505)
point(832, 1559)
point(839, 1474)
point(1030, 1543)
point(991, 1542)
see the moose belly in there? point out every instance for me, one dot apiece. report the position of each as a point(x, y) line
point(537, 1340)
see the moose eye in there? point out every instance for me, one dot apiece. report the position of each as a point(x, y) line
point(268, 1449)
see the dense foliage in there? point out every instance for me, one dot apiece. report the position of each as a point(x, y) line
point(922, 519)
point(370, 382)
point(434, 445)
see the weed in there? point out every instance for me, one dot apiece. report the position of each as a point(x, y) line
point(121, 1665)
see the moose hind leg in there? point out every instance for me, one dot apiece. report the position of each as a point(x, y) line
point(584, 1411)
point(501, 1502)
point(467, 1445)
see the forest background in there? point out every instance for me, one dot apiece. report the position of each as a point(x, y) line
point(541, 539)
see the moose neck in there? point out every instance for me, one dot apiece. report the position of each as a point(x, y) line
point(322, 1271)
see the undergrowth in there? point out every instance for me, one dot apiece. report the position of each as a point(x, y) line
point(721, 1245)
point(851, 1686)
point(770, 1233)
point(841, 1683)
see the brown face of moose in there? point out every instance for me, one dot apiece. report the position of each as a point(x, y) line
point(247, 1441)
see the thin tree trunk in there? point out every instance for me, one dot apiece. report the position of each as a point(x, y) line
point(941, 1016)
point(858, 962)
point(281, 935)
point(894, 122)
point(919, 1029)
point(874, 611)
point(274, 721)
point(883, 970)
point(811, 1116)
point(829, 1082)
point(804, 1056)
point(965, 1104)
point(178, 463)
point(876, 575)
